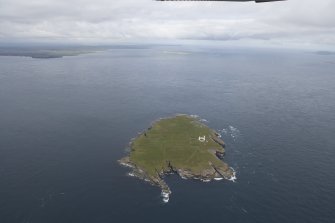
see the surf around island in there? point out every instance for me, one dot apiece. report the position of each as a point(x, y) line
point(180, 145)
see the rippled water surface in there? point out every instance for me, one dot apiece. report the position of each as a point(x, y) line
point(65, 122)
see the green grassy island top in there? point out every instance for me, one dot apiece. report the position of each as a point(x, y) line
point(182, 145)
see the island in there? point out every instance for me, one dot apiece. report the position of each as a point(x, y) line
point(181, 145)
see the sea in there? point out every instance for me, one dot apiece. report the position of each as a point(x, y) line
point(64, 124)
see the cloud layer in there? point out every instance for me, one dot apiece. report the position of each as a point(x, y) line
point(302, 22)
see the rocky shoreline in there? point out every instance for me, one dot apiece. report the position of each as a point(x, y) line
point(206, 175)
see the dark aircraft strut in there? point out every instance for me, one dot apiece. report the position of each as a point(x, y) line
point(257, 1)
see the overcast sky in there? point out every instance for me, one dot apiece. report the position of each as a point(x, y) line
point(294, 22)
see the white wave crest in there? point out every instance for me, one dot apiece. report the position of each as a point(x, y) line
point(234, 132)
point(231, 131)
point(194, 116)
point(131, 174)
point(127, 165)
point(233, 178)
point(223, 131)
point(166, 196)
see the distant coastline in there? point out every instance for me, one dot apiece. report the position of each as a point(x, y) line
point(59, 51)
point(47, 52)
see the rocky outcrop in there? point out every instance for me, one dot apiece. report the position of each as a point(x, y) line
point(219, 154)
point(206, 175)
point(218, 140)
point(141, 174)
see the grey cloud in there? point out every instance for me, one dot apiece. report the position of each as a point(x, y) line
point(310, 21)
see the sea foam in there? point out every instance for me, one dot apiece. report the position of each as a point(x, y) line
point(166, 197)
point(233, 178)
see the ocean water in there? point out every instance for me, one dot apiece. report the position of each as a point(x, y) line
point(65, 122)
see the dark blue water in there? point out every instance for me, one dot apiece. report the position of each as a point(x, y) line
point(64, 123)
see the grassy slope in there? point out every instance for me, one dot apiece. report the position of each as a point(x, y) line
point(175, 140)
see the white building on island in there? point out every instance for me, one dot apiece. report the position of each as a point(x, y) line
point(202, 139)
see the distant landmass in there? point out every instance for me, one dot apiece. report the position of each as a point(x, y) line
point(325, 53)
point(182, 145)
point(46, 52)
point(59, 51)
